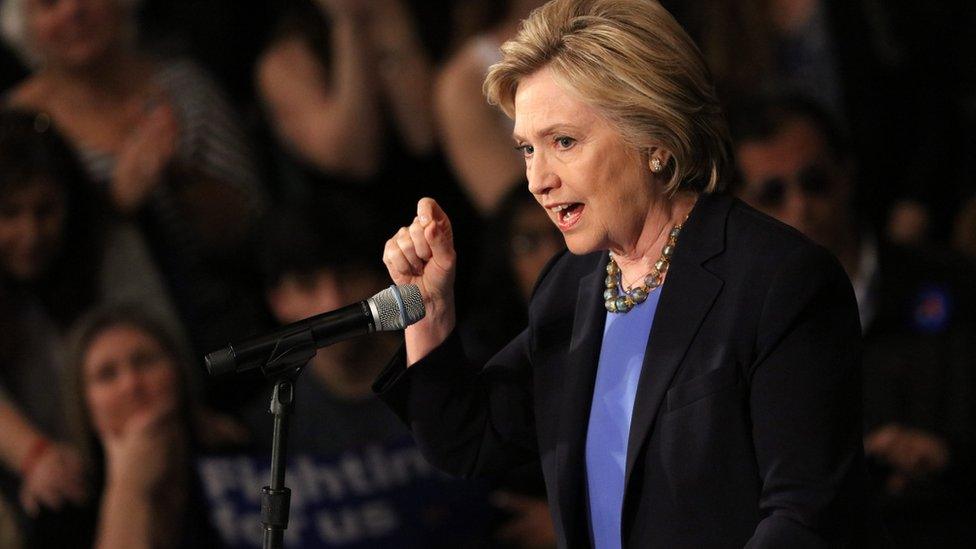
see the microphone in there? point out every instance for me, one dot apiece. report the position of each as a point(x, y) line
point(394, 308)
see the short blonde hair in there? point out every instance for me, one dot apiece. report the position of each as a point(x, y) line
point(631, 61)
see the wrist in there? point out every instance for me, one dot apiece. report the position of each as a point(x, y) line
point(125, 488)
point(428, 334)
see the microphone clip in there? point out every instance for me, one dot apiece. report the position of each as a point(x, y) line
point(290, 355)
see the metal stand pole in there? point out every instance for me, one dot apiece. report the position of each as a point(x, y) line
point(276, 499)
point(285, 365)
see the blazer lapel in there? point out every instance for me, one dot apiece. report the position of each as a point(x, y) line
point(582, 359)
point(686, 298)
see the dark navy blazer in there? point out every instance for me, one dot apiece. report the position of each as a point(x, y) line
point(746, 429)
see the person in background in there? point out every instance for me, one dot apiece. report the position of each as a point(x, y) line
point(335, 71)
point(917, 309)
point(517, 243)
point(314, 260)
point(50, 273)
point(163, 147)
point(346, 89)
point(476, 137)
point(860, 61)
point(131, 415)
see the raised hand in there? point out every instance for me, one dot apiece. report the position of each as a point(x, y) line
point(144, 156)
point(58, 476)
point(423, 254)
point(140, 454)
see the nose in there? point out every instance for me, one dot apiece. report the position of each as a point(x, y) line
point(796, 209)
point(130, 383)
point(541, 177)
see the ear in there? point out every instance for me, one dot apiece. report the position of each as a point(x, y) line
point(657, 159)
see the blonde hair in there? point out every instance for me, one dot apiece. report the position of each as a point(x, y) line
point(631, 61)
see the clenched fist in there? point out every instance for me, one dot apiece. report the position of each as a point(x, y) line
point(423, 254)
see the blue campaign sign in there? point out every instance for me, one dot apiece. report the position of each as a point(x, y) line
point(379, 495)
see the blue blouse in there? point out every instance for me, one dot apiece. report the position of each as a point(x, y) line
point(625, 338)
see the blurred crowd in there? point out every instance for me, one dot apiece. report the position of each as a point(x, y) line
point(176, 175)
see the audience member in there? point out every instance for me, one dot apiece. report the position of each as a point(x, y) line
point(346, 86)
point(126, 386)
point(881, 69)
point(478, 137)
point(917, 313)
point(315, 259)
point(49, 273)
point(518, 241)
point(161, 142)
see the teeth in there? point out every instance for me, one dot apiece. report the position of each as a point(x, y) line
point(558, 209)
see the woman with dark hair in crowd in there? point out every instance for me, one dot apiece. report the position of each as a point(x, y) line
point(130, 414)
point(160, 140)
point(55, 262)
point(49, 260)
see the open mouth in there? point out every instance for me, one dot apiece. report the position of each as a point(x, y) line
point(567, 214)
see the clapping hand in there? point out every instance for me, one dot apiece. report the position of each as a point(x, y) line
point(143, 157)
point(56, 477)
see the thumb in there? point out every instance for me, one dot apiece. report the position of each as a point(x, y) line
point(437, 230)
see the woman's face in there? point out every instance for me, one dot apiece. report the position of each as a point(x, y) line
point(594, 187)
point(126, 372)
point(31, 225)
point(74, 32)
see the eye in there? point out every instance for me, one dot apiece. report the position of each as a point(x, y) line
point(526, 150)
point(143, 359)
point(103, 373)
point(565, 142)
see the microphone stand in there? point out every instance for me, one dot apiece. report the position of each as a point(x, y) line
point(290, 356)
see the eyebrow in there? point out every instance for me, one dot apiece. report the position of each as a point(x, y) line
point(548, 130)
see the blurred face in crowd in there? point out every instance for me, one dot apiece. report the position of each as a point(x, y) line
point(532, 243)
point(301, 295)
point(126, 372)
point(595, 188)
point(74, 33)
point(32, 220)
point(793, 177)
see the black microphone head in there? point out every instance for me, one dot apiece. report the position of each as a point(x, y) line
point(221, 361)
point(397, 307)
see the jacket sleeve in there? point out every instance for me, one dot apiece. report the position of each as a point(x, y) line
point(468, 421)
point(805, 401)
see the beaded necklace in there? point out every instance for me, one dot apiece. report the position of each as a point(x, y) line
point(617, 303)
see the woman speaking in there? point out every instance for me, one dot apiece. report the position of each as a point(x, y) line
point(689, 375)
